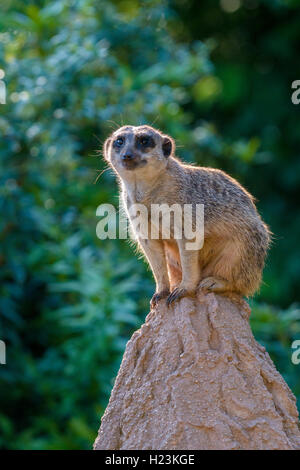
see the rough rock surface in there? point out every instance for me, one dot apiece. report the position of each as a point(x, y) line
point(193, 377)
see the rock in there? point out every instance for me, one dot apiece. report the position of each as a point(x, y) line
point(193, 377)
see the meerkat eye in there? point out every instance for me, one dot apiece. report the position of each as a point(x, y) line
point(144, 140)
point(119, 142)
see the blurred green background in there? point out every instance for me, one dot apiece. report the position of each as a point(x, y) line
point(214, 74)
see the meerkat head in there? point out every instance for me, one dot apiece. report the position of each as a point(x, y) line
point(139, 149)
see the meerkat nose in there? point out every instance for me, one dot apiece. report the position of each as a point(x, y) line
point(128, 156)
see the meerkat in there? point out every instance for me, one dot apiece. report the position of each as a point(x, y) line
point(236, 239)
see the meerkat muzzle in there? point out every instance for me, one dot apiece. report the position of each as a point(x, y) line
point(130, 161)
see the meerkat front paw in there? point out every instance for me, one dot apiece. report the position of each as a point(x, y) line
point(158, 296)
point(213, 284)
point(177, 294)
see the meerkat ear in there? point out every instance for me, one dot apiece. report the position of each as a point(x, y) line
point(105, 148)
point(167, 146)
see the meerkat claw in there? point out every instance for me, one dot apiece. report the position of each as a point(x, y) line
point(212, 284)
point(158, 296)
point(175, 295)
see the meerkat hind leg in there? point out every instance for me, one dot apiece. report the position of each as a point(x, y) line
point(214, 284)
point(222, 271)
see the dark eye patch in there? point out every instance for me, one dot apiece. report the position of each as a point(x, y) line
point(144, 141)
point(118, 142)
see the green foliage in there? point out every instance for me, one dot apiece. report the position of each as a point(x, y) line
point(276, 329)
point(220, 84)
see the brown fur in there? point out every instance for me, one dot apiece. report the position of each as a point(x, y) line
point(235, 241)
